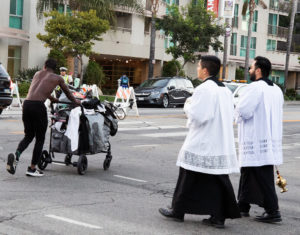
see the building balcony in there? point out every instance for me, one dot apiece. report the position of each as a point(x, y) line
point(278, 31)
point(280, 6)
point(14, 33)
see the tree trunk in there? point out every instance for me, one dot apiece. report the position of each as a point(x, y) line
point(289, 42)
point(152, 47)
point(251, 12)
point(226, 36)
point(81, 69)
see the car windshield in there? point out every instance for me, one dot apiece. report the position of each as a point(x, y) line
point(3, 72)
point(231, 87)
point(154, 83)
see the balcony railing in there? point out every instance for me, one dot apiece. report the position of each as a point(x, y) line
point(278, 31)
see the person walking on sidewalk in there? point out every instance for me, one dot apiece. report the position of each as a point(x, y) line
point(259, 117)
point(208, 154)
point(34, 115)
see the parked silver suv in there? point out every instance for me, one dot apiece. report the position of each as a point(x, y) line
point(5, 89)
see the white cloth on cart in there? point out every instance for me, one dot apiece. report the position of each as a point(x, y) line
point(72, 131)
point(73, 127)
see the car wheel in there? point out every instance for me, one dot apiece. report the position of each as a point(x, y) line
point(165, 101)
point(1, 111)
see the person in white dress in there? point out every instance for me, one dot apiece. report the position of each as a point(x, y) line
point(208, 154)
point(259, 117)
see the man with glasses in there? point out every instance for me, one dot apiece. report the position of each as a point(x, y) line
point(259, 118)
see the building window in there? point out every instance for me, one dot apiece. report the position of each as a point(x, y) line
point(273, 4)
point(244, 46)
point(235, 19)
point(61, 9)
point(275, 79)
point(14, 60)
point(272, 27)
point(16, 14)
point(271, 45)
point(233, 45)
point(254, 25)
point(246, 20)
point(168, 42)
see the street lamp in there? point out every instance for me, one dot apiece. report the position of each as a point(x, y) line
point(226, 36)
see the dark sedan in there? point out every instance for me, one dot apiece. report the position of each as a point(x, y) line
point(164, 91)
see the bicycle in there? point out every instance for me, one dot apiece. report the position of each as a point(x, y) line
point(118, 110)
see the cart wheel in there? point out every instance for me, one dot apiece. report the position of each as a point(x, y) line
point(45, 159)
point(68, 159)
point(106, 163)
point(82, 165)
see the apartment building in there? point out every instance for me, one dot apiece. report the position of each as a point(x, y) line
point(269, 39)
point(125, 48)
point(19, 47)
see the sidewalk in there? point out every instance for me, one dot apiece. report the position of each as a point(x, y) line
point(293, 102)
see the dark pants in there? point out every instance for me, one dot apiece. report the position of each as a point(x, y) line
point(257, 186)
point(35, 122)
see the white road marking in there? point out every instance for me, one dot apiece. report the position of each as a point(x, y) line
point(73, 221)
point(297, 157)
point(129, 178)
point(133, 122)
point(150, 128)
point(290, 135)
point(145, 145)
point(1, 148)
point(162, 135)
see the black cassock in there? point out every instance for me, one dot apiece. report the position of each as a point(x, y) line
point(204, 194)
point(257, 187)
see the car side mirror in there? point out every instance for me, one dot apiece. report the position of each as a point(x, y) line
point(171, 87)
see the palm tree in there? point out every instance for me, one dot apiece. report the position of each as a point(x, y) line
point(250, 4)
point(289, 41)
point(154, 10)
point(106, 9)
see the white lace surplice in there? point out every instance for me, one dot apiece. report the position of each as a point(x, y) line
point(209, 146)
point(259, 115)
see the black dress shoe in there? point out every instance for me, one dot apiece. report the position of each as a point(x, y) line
point(245, 214)
point(269, 218)
point(170, 214)
point(211, 221)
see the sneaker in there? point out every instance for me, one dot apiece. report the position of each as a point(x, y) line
point(12, 163)
point(35, 172)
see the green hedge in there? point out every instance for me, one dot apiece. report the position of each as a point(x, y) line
point(23, 88)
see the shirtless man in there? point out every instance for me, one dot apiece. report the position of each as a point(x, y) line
point(35, 117)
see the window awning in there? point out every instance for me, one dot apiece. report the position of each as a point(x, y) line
point(6, 32)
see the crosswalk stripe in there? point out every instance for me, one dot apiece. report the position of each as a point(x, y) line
point(165, 134)
point(150, 128)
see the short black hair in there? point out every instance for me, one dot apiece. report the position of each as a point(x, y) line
point(51, 64)
point(264, 64)
point(211, 63)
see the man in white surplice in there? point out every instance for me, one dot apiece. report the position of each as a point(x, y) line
point(208, 154)
point(259, 118)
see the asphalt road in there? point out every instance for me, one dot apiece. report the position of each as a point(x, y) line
point(125, 199)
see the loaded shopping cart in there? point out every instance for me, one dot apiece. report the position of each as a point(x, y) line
point(81, 131)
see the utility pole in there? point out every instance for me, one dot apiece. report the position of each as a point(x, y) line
point(289, 42)
point(225, 53)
